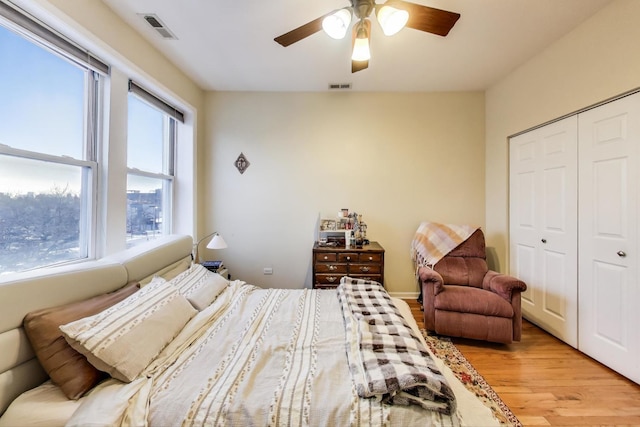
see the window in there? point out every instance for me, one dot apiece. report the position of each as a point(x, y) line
point(48, 119)
point(151, 141)
point(59, 202)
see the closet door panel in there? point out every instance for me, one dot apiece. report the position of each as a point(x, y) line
point(524, 152)
point(523, 267)
point(608, 264)
point(525, 202)
point(611, 288)
point(555, 195)
point(555, 286)
point(543, 200)
point(558, 235)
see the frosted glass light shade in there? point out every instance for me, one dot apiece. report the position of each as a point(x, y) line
point(217, 243)
point(337, 24)
point(392, 20)
point(361, 50)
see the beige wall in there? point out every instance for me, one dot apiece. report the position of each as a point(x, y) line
point(596, 61)
point(397, 159)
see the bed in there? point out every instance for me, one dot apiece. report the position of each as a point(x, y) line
point(166, 342)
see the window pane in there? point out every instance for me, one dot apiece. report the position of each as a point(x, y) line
point(146, 142)
point(41, 213)
point(42, 95)
point(146, 198)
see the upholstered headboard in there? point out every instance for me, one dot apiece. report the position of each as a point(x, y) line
point(29, 291)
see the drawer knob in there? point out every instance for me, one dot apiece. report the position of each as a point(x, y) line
point(332, 268)
point(365, 269)
point(331, 279)
point(326, 257)
point(348, 258)
point(370, 258)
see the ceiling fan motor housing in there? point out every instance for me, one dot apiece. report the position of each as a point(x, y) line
point(362, 8)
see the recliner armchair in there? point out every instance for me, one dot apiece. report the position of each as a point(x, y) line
point(463, 298)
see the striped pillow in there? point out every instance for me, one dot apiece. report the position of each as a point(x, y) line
point(125, 338)
point(200, 286)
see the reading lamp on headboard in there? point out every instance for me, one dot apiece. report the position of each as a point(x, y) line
point(216, 243)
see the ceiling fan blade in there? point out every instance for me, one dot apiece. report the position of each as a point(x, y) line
point(429, 19)
point(358, 66)
point(301, 32)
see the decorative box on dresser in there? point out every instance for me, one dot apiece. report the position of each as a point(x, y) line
point(331, 263)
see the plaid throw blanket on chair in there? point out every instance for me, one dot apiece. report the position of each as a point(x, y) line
point(433, 241)
point(386, 359)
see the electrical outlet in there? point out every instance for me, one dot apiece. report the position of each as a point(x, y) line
point(267, 270)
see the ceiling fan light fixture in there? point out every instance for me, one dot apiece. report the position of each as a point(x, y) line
point(392, 19)
point(337, 23)
point(361, 50)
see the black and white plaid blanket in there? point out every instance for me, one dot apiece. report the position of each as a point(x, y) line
point(386, 359)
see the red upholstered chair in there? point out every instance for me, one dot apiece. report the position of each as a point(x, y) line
point(463, 298)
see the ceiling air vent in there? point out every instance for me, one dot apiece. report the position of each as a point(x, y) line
point(339, 86)
point(155, 22)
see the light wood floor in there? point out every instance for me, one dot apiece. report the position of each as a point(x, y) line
point(546, 382)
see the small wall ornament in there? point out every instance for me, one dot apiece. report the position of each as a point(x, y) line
point(242, 163)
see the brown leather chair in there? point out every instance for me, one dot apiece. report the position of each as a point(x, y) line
point(463, 298)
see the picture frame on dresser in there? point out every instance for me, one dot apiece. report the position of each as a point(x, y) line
point(327, 224)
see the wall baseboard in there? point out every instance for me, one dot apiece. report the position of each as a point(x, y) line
point(404, 295)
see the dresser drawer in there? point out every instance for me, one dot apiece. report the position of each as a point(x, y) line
point(365, 269)
point(328, 279)
point(332, 263)
point(332, 268)
point(326, 257)
point(323, 286)
point(374, 277)
point(348, 257)
point(373, 258)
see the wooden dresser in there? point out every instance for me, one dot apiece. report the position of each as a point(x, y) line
point(331, 263)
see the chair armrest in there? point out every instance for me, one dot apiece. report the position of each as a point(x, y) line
point(502, 284)
point(428, 275)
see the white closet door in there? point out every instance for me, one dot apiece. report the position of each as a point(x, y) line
point(609, 295)
point(543, 225)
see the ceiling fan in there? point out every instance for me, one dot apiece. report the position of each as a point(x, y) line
point(393, 15)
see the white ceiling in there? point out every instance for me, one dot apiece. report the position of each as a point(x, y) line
point(228, 45)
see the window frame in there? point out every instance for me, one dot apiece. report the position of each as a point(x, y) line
point(109, 196)
point(89, 185)
point(95, 71)
point(171, 116)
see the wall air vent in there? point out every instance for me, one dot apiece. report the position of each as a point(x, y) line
point(155, 22)
point(339, 86)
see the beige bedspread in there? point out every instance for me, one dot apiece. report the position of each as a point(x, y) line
point(254, 357)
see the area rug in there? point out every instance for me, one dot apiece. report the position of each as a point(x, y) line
point(444, 349)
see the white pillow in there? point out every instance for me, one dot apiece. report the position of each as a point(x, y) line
point(200, 286)
point(125, 338)
point(204, 295)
